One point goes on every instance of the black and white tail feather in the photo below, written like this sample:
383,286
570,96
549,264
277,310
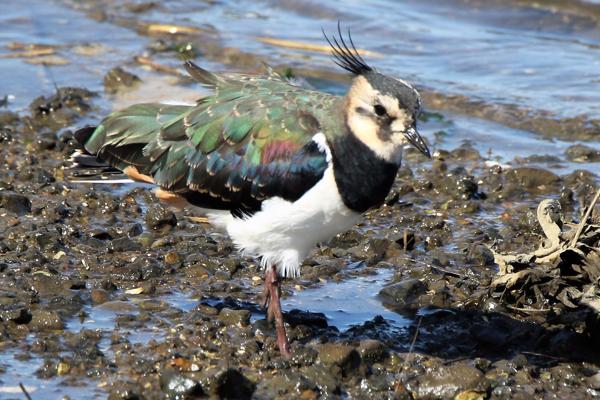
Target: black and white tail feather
87,168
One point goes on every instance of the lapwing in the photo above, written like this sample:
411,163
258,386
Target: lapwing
278,167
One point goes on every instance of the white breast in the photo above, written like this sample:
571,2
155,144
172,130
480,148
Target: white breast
283,233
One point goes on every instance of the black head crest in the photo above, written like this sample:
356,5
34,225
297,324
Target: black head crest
346,56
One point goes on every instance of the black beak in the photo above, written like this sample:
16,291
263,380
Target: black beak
416,140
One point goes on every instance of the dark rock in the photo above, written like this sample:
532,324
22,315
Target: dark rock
533,178
372,350
178,386
290,383
480,255
44,320
582,153
135,230
234,317
325,380
17,313
124,394
46,141
231,384
122,244
6,135
47,240
100,234
297,317
342,355
447,381
404,294
14,202
373,251
62,108
160,218
117,79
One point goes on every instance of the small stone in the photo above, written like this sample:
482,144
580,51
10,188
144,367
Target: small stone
533,178
178,386
135,230
99,296
372,350
448,381
62,368
231,384
172,258
342,355
117,79
14,202
16,313
582,153
234,317
160,218
471,395
594,381
297,317
44,320
404,294
123,244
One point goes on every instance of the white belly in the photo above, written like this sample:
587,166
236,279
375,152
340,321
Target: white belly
283,233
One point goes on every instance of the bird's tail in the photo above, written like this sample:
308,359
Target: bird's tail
85,167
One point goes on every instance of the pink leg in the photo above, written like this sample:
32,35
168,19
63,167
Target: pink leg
271,297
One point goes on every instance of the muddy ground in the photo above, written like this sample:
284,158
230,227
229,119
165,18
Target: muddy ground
105,293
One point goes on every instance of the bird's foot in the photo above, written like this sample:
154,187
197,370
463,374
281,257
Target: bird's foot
271,294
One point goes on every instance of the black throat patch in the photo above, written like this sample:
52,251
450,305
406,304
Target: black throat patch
363,179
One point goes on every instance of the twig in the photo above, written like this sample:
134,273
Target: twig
529,309
446,272
27,396
410,352
584,220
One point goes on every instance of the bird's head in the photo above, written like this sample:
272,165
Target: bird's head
380,110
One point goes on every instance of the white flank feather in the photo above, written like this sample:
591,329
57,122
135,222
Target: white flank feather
283,233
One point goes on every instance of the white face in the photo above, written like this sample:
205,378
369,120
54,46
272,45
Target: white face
377,120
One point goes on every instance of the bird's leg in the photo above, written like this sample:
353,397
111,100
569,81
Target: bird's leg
271,295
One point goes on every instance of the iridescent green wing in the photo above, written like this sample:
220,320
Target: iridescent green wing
249,141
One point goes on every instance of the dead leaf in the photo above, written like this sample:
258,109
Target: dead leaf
171,29
137,290
510,280
29,53
319,48
48,60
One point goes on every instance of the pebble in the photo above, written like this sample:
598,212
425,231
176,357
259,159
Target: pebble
447,381
234,317
99,296
582,153
44,320
404,294
14,202
342,355
179,386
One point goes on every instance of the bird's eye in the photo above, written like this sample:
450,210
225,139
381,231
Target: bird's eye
379,110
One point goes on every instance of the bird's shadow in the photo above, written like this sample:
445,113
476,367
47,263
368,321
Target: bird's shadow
451,334
454,334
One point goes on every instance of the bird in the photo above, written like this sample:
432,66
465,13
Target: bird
278,167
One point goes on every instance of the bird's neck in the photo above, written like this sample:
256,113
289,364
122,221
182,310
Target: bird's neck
363,178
